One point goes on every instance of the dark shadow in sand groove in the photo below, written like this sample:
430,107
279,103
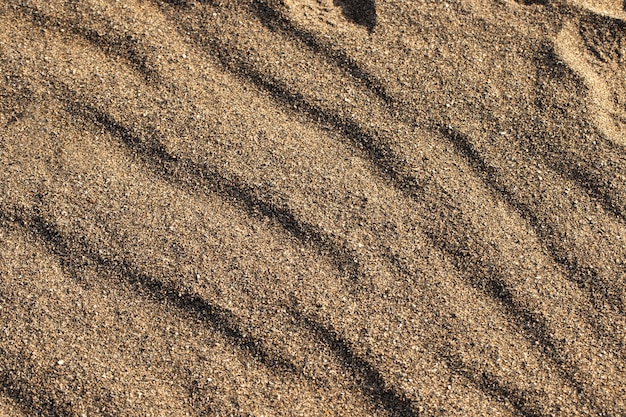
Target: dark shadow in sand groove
30,401
371,381
220,319
574,169
27,396
361,12
594,185
532,2
276,21
597,292
124,47
584,278
489,385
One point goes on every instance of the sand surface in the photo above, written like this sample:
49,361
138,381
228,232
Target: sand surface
312,208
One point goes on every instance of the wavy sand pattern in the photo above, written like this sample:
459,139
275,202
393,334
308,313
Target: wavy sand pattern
317,207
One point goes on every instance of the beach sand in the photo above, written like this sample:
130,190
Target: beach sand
312,208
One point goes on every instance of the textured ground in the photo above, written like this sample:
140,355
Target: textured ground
312,208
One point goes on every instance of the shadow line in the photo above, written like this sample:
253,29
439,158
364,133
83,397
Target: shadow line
274,20
594,185
31,401
124,47
376,151
372,383
489,384
361,12
520,400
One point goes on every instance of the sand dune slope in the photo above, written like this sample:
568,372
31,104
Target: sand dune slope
303,208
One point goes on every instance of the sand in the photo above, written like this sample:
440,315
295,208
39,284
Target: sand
312,208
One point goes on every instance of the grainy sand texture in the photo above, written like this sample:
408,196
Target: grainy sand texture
312,208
